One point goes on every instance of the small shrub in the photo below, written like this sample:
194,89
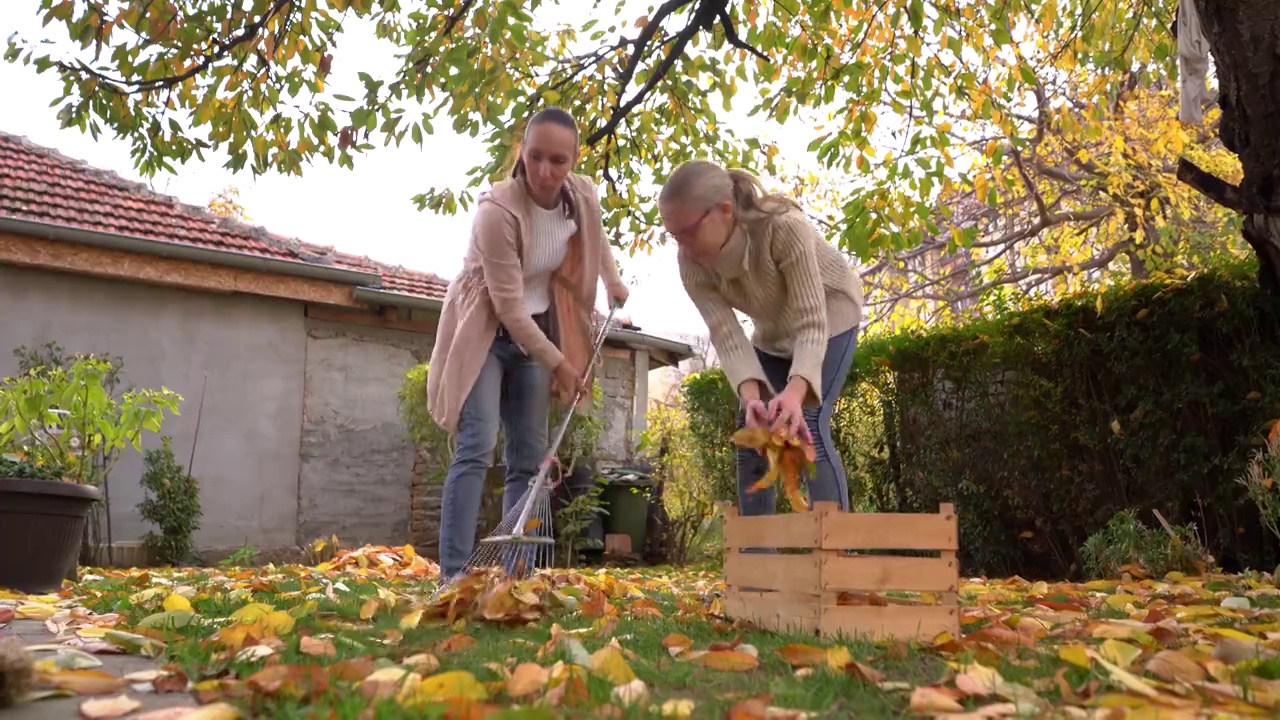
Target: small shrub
171,502
424,432
573,519
1259,481
1126,545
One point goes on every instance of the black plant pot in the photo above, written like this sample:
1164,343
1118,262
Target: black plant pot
41,529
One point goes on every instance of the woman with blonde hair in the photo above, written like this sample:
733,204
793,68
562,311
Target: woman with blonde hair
743,249
516,324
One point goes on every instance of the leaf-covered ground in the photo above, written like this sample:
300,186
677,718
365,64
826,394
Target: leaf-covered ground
361,637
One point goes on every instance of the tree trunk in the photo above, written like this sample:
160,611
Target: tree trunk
1244,39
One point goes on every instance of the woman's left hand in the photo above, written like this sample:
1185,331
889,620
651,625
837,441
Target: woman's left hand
787,411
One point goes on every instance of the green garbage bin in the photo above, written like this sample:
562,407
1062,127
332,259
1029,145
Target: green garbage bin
626,496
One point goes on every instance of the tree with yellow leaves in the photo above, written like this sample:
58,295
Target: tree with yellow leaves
900,91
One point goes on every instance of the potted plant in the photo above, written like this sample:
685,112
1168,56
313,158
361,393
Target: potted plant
53,422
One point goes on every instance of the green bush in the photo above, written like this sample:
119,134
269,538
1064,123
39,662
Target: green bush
1042,424
171,502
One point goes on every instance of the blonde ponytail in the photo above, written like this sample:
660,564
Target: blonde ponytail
703,183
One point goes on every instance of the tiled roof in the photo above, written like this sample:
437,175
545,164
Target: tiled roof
42,185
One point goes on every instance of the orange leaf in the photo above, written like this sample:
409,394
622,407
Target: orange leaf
729,660
675,643
456,642
799,655
933,700
293,681
317,646
84,682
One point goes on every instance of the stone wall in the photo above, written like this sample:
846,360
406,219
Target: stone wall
617,379
357,461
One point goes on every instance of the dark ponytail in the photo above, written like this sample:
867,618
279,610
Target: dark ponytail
556,116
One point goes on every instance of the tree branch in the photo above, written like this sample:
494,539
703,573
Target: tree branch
1214,188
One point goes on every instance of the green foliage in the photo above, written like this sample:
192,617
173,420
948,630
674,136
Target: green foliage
13,465
1126,543
1041,425
711,408
171,502
578,446
575,516
63,417
689,492
425,433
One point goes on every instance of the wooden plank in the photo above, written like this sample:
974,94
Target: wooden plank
167,271
888,572
789,530
793,573
776,611
895,622
389,321
889,531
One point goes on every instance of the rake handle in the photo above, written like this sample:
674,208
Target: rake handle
544,470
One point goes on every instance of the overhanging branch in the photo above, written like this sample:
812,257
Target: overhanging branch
1212,187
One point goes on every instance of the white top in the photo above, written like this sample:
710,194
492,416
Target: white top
544,251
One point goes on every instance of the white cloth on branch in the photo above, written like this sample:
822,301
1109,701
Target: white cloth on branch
1193,65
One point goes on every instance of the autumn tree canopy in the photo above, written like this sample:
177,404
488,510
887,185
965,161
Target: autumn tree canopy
921,101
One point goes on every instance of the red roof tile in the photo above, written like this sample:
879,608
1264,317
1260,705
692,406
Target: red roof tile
42,185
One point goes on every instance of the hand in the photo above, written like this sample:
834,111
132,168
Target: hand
618,295
757,414
787,412
569,380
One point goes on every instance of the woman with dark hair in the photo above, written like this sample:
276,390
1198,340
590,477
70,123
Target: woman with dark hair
743,249
516,324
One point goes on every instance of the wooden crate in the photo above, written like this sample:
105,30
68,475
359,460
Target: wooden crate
809,590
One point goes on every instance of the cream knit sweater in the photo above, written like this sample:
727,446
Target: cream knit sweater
798,290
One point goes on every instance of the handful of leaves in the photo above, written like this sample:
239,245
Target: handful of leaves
788,456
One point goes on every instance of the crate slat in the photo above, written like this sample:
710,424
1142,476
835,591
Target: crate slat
790,530
903,622
886,572
776,611
772,572
889,531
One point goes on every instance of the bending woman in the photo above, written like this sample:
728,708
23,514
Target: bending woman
742,249
516,324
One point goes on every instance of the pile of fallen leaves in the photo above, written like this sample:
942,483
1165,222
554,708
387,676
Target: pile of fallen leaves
390,563
611,642
788,457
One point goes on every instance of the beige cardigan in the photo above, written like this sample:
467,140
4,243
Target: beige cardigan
797,288
490,291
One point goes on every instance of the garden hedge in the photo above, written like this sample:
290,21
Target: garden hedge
1041,424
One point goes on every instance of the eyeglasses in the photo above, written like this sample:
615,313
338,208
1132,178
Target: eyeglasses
687,233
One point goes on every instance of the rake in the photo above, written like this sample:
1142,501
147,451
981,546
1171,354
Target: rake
525,538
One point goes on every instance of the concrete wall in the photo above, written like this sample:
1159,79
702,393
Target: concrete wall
357,462
252,349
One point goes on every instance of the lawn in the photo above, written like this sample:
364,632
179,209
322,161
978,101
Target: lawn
359,637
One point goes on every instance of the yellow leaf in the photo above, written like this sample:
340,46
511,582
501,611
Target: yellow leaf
839,657
278,621
1124,678
411,619
452,685
1119,652
551,96
678,708
175,602
369,609
1074,654
608,663
251,612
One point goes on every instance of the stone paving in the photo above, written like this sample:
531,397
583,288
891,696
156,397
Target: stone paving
34,632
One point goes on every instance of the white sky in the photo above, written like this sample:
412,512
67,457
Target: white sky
368,210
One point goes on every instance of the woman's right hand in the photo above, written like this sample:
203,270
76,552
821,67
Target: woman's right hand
569,379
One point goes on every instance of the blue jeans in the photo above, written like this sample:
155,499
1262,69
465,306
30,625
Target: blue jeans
515,390
829,482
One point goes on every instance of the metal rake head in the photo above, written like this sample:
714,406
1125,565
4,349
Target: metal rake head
519,550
